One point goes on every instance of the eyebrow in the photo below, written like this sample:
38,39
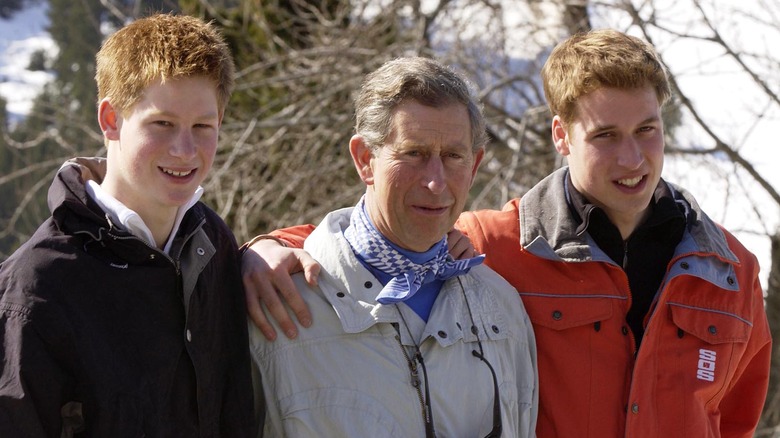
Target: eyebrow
171,114
601,128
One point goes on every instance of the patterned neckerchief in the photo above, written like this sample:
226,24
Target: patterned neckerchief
408,276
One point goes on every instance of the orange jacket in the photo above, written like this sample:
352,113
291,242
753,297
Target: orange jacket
703,366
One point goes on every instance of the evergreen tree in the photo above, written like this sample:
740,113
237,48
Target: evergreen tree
60,125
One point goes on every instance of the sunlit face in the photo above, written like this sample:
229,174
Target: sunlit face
615,150
161,149
418,182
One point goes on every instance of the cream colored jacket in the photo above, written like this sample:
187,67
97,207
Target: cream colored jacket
348,375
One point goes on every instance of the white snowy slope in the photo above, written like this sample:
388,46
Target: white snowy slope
20,37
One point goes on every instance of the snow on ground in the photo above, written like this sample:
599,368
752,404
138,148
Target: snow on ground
19,38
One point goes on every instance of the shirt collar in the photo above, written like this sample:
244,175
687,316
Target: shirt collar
123,217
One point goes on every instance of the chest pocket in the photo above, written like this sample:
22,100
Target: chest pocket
712,326
558,312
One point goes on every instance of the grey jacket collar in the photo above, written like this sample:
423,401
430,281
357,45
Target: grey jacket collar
549,230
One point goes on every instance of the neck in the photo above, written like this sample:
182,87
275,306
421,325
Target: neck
160,227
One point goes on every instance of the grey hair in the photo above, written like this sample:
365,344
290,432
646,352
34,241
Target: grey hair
423,80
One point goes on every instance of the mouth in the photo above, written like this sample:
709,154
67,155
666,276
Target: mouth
177,173
630,182
430,210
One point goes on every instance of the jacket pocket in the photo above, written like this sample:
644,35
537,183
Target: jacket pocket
565,312
693,352
710,325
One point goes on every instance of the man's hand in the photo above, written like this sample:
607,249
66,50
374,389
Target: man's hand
266,268
460,246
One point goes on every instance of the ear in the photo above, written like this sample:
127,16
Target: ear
108,118
361,158
560,136
478,156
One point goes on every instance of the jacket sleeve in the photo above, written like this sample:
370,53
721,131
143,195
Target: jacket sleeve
468,224
32,384
294,236
291,237
742,405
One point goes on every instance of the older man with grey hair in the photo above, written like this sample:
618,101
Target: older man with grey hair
407,341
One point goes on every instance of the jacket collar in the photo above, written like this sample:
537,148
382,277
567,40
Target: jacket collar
351,289
549,224
75,212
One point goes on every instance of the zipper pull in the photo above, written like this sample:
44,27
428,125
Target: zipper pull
625,254
415,374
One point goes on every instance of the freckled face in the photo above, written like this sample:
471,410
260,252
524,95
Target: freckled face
418,182
161,149
614,149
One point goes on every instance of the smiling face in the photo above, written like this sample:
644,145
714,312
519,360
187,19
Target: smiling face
419,180
161,149
614,147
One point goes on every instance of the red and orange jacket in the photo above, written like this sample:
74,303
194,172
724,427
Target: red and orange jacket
703,366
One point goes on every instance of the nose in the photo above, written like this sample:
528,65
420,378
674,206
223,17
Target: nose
630,154
183,145
434,179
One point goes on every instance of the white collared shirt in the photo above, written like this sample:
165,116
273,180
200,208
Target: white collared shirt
131,221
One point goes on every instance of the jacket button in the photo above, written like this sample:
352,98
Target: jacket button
200,251
634,408
189,335
557,315
495,329
442,334
712,329
368,284
684,265
340,294
624,330
730,281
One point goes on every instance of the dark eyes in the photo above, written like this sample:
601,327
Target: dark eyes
641,130
450,155
166,123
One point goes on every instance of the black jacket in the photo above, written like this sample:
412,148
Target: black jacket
105,336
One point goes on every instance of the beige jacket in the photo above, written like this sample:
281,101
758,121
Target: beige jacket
348,375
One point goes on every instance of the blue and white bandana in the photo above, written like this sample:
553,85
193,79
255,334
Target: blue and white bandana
408,276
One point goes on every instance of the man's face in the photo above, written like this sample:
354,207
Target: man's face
419,180
615,150
161,150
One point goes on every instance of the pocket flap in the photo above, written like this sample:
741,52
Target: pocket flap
710,325
565,312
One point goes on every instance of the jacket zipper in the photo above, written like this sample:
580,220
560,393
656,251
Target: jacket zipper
415,378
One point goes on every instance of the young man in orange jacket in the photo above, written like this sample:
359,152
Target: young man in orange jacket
649,317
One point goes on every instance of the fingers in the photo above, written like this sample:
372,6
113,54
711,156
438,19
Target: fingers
459,245
311,269
270,296
257,289
285,291
255,311
266,268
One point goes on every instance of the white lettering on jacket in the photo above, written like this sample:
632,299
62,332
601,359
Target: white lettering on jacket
706,369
